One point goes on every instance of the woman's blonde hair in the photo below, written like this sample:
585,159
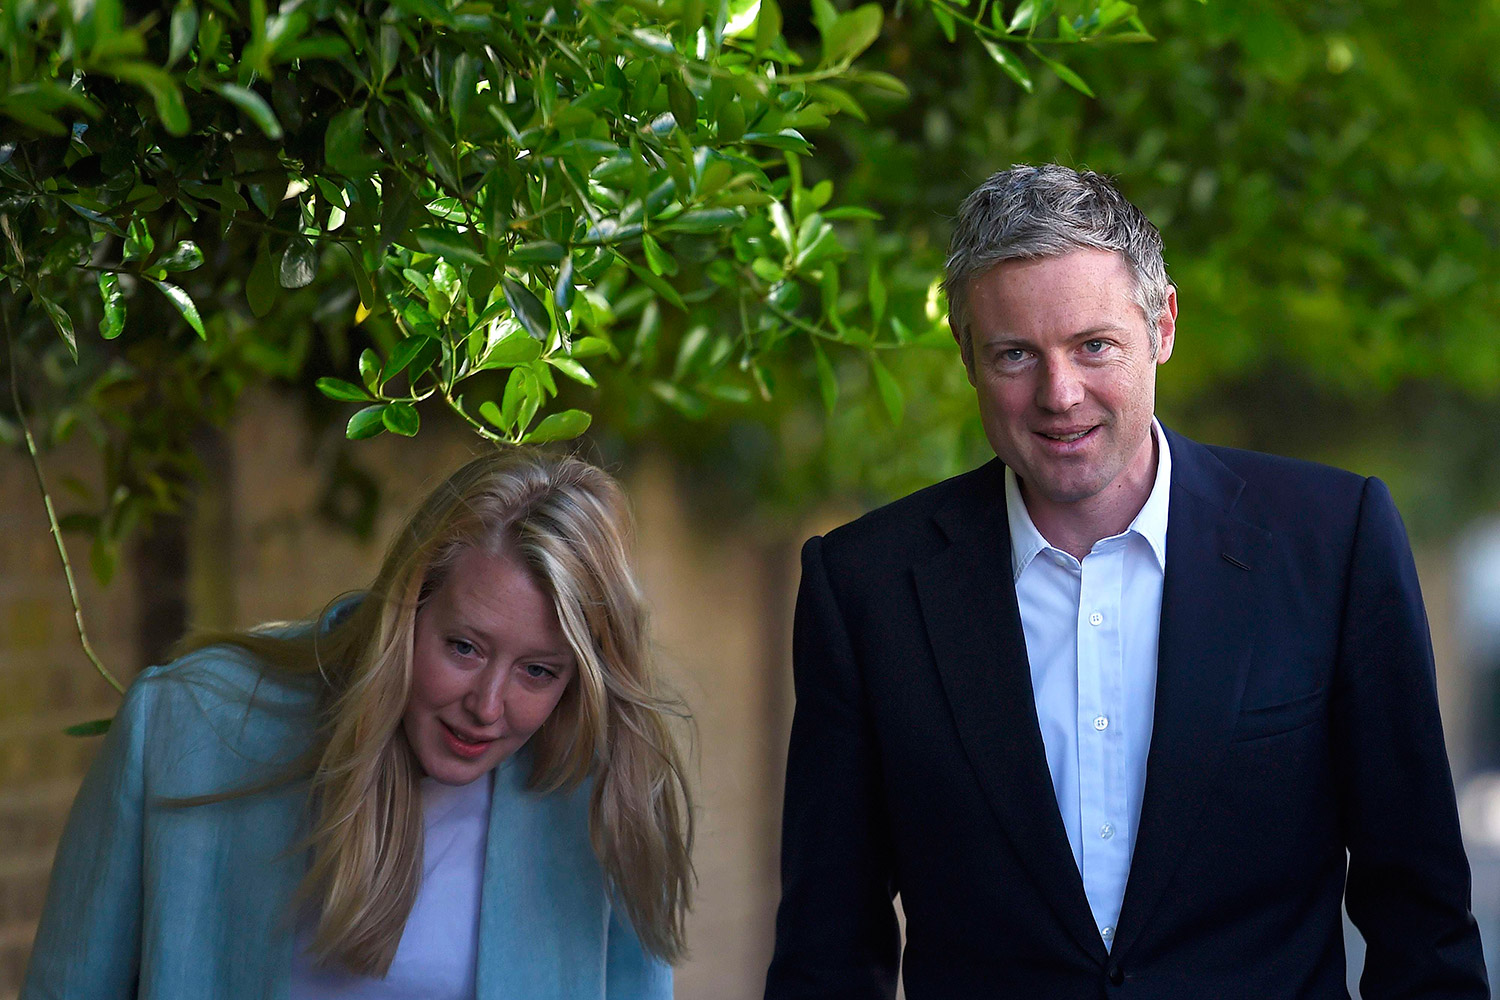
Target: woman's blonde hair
569,522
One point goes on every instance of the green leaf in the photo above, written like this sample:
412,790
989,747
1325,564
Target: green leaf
877,297
540,252
528,308
1026,15
890,390
369,368
366,423
465,84
588,347
96,727
164,91
404,353
828,382
562,426
516,349
447,244
562,292
138,241
1065,74
183,31
112,323
299,264
61,321
343,145
658,259
683,104
261,286
490,412
344,392
767,25
852,32
573,370
184,257
401,418
852,212
657,285
184,305
254,106
1013,67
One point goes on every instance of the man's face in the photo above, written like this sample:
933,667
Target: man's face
1063,369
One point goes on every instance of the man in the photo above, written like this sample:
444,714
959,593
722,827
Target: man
1119,713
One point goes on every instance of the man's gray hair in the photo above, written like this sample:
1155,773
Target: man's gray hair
1027,213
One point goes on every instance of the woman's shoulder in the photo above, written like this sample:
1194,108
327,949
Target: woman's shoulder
222,705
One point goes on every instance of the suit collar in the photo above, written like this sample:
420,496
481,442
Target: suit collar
1150,523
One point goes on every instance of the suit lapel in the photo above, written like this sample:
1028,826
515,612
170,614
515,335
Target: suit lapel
1210,610
968,601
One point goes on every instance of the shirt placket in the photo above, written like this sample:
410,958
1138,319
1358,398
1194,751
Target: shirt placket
1101,779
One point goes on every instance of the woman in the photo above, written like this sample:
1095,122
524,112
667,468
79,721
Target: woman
460,784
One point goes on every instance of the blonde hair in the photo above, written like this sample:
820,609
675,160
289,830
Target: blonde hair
569,523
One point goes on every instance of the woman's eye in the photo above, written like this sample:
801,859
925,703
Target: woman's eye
538,671
463,647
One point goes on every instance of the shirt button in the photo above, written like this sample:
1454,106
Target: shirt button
1096,619
1108,933
1106,831
1101,723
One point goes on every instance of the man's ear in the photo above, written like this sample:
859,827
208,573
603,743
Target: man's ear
965,345
1166,327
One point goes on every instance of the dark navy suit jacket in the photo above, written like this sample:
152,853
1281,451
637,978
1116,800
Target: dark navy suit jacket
1296,761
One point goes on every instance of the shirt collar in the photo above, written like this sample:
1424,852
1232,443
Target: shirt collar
1151,523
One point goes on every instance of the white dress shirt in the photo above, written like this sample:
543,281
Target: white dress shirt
1091,632
439,949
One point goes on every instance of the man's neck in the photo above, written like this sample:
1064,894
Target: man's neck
1075,527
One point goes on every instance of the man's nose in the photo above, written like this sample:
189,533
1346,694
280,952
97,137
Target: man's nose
485,701
1060,387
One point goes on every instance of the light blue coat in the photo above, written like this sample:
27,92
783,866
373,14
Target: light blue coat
170,903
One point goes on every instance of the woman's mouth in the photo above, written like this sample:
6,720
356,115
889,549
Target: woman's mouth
463,745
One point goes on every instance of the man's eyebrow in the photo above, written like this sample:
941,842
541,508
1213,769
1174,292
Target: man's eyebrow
1004,338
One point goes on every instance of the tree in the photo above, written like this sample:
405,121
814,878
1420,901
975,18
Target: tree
501,199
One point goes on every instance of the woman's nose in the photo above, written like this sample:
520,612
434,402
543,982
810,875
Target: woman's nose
485,701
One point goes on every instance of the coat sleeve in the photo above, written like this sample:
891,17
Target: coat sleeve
630,972
836,932
1408,885
88,943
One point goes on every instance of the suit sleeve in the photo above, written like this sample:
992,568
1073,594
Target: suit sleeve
631,973
1408,886
836,933
88,943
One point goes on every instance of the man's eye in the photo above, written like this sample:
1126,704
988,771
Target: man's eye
1094,346
1013,356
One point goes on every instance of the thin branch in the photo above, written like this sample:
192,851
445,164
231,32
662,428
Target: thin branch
41,481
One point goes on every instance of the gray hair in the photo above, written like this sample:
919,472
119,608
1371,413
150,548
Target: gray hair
1027,213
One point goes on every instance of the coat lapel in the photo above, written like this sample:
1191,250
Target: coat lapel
968,600
543,913
1210,611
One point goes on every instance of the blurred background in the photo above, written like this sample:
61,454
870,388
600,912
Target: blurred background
1325,175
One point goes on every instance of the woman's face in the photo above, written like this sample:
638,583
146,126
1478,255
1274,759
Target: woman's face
489,664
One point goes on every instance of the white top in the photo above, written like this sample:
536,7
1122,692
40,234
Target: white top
440,946
1091,632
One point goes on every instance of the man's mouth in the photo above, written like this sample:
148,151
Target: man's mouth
1066,437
